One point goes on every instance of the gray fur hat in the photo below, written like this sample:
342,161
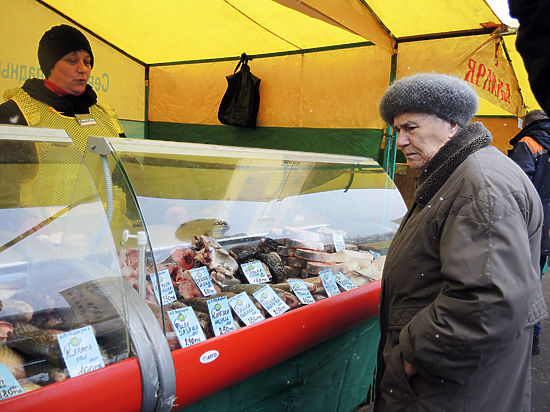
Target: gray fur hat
445,96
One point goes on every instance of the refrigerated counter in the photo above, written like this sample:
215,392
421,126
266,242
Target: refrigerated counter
222,266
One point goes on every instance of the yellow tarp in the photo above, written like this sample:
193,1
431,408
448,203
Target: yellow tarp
116,79
307,90
337,89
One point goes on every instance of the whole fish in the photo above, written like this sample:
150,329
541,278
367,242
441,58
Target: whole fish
41,343
13,360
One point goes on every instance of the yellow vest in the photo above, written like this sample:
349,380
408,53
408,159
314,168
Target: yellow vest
39,114
56,180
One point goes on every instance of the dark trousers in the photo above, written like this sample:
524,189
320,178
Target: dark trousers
543,259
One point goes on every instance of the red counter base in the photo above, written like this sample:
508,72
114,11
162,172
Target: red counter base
231,358
213,365
115,388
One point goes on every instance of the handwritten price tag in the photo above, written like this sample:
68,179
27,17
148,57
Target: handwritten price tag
166,288
8,384
271,301
203,281
338,240
187,326
220,315
301,291
80,351
329,282
254,272
245,309
344,281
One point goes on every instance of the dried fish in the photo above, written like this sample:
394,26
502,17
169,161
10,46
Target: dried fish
36,342
243,253
13,360
275,264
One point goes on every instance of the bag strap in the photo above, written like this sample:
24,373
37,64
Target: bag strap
244,61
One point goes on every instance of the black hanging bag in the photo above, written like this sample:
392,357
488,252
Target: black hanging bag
241,101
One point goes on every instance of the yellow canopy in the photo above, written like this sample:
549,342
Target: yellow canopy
324,63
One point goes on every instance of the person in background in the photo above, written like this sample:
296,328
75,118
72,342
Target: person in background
460,289
531,152
64,99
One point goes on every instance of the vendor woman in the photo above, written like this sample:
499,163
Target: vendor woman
64,99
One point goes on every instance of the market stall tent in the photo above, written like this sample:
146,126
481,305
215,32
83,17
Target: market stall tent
323,63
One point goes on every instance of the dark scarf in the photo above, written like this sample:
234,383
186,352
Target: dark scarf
450,156
69,105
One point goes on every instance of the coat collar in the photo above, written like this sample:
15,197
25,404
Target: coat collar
469,140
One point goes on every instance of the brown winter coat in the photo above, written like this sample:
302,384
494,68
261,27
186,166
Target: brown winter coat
461,288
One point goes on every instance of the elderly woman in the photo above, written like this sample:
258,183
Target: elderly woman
64,99
460,289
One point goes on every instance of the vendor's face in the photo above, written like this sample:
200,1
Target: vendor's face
420,136
72,71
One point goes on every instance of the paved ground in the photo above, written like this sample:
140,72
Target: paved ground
541,364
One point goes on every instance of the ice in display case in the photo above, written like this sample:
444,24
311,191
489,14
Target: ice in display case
239,250
70,327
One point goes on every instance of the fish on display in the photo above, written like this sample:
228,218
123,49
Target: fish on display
214,228
41,343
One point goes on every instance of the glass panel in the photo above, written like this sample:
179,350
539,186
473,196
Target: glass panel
62,312
253,218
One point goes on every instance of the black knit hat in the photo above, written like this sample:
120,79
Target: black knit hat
448,97
57,42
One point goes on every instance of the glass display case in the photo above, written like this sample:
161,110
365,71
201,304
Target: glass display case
238,250
68,320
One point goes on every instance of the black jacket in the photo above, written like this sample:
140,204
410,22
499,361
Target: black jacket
534,159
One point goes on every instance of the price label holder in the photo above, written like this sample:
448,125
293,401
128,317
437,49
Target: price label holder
301,291
167,290
329,282
187,326
245,309
203,281
338,240
9,386
254,272
344,281
80,351
270,301
220,315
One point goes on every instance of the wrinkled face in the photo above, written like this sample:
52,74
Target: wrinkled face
72,71
420,136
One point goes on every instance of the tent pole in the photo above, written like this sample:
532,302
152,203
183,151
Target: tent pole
146,105
390,148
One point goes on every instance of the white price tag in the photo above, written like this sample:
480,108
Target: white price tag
329,282
220,315
167,290
9,386
203,281
245,309
344,281
301,291
80,351
338,239
254,272
186,326
271,301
